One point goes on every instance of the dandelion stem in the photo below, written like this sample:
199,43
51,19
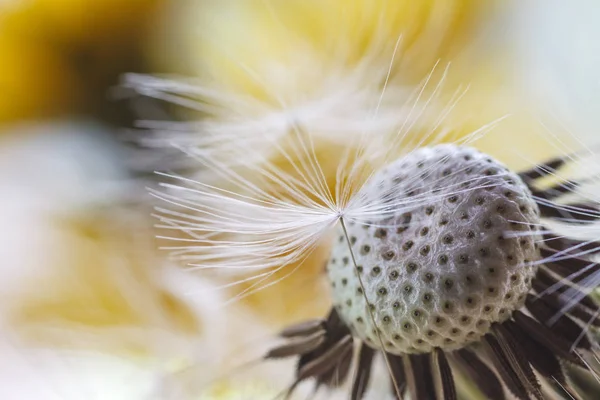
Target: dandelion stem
377,332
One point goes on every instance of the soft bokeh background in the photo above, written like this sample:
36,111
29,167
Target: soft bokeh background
89,304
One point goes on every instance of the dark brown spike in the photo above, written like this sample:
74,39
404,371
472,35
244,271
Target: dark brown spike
338,374
445,375
516,357
324,347
305,328
419,377
557,190
569,244
562,325
330,359
480,374
585,212
544,335
397,367
297,346
559,300
335,329
334,321
504,366
574,213
542,170
326,361
584,315
363,372
542,288
545,280
573,268
543,360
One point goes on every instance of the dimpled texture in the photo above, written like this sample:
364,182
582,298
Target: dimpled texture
451,253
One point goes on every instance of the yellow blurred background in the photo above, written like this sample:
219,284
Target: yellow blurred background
59,57
82,279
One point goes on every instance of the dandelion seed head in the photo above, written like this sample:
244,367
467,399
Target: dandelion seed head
446,262
437,266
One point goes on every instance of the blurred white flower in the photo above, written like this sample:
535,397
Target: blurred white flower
87,306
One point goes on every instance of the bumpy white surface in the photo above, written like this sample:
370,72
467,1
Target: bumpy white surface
441,263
